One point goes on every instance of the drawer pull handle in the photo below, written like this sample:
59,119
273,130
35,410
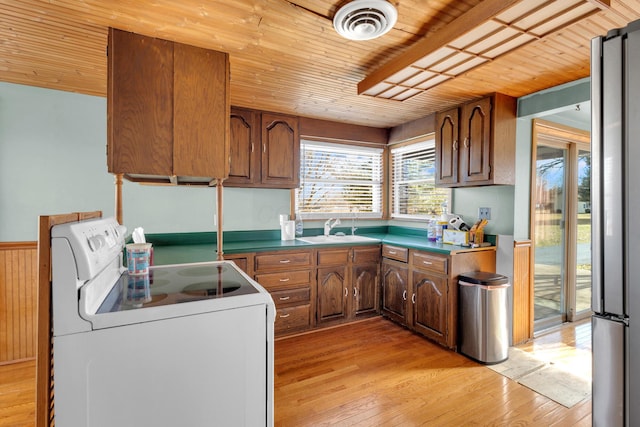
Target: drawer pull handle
427,263
404,295
413,298
285,279
285,261
284,316
355,292
284,298
392,252
346,292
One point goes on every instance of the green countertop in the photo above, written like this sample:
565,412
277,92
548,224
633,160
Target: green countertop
200,247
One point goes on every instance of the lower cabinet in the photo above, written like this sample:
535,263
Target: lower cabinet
429,297
395,287
287,275
420,289
326,286
317,287
347,283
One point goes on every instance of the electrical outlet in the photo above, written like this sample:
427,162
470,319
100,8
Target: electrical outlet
484,213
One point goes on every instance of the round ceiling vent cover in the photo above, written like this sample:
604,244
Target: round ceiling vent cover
365,19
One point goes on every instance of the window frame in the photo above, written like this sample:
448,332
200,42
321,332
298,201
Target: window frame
380,214
391,182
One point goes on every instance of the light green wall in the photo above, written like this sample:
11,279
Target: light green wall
53,160
499,198
547,104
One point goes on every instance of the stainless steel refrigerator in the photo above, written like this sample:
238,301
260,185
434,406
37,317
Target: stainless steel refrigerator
615,201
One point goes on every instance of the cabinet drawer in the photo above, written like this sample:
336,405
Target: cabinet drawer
429,262
292,318
333,257
284,260
291,296
395,252
366,255
284,278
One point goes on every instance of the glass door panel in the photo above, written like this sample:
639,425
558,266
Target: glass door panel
549,237
583,264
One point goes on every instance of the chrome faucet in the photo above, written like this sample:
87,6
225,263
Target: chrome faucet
328,226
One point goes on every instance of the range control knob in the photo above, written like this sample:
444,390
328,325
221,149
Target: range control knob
96,242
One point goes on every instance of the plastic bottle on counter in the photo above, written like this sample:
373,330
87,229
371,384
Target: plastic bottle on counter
299,225
441,225
431,229
445,211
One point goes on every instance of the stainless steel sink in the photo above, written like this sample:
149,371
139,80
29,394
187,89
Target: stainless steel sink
332,238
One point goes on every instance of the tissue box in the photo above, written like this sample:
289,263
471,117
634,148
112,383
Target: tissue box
455,237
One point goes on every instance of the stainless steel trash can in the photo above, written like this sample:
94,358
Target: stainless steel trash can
483,332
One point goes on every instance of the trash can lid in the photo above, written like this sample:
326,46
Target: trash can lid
483,278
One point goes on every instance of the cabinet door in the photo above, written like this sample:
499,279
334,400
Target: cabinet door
280,151
332,294
244,147
447,147
475,132
365,289
139,104
394,290
429,300
201,112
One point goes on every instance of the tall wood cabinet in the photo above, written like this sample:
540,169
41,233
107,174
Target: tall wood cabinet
265,150
167,110
475,143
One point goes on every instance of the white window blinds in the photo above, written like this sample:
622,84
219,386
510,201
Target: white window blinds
413,190
338,180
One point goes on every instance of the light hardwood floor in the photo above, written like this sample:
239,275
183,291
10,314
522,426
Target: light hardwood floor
376,373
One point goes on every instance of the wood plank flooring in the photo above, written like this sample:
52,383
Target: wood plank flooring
374,373
18,394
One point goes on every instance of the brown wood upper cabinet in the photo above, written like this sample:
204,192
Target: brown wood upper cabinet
475,143
265,150
167,110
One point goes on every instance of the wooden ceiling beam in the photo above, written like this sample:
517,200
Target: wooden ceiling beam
432,42
453,50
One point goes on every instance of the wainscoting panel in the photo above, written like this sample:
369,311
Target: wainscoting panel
18,296
522,292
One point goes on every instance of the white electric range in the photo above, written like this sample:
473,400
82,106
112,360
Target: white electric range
187,344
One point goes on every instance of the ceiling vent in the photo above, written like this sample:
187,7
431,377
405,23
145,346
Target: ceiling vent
365,19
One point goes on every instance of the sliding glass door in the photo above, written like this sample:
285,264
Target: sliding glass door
560,224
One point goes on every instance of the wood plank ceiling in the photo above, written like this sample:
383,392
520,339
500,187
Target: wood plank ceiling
285,55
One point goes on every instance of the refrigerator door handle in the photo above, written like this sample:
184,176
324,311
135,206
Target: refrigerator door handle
596,191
